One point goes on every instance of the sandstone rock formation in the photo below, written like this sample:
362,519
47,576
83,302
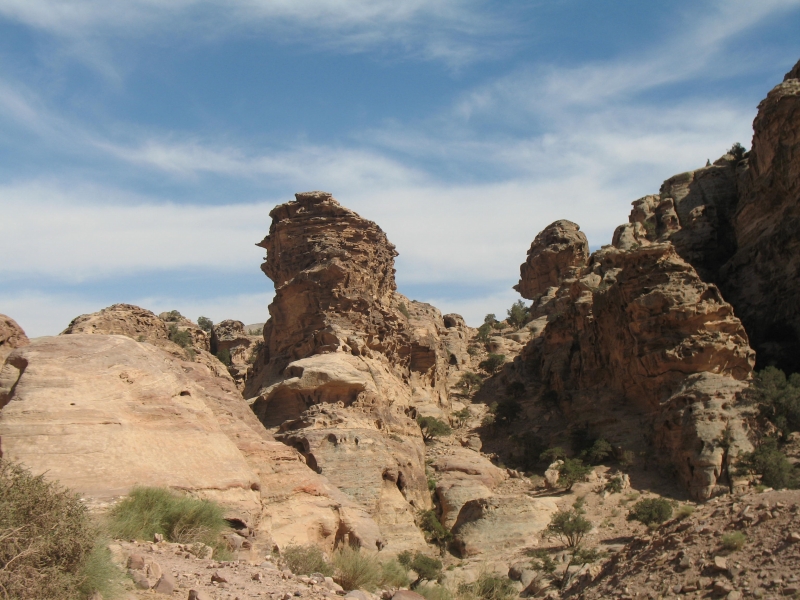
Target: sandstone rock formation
736,222
11,336
231,336
635,323
144,326
348,363
128,413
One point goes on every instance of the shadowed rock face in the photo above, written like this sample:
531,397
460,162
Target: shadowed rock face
737,221
639,324
347,362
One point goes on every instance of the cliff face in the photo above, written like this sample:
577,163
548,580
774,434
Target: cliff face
11,336
348,363
638,326
737,222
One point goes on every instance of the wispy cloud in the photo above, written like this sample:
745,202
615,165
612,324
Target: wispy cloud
454,31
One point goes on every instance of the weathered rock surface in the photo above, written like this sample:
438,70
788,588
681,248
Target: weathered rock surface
636,323
11,336
127,413
494,525
144,326
737,221
232,336
347,362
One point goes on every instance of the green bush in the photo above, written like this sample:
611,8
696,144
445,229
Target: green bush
489,586
434,531
737,151
432,428
553,454
426,568
461,416
684,512
224,356
205,324
614,485
493,363
490,319
173,315
183,519
734,540
771,464
469,382
356,569
432,591
49,548
306,559
599,451
571,471
542,561
569,527
182,337
651,511
518,314
484,331
778,398
393,574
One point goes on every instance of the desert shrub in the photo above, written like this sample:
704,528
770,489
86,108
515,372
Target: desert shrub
432,428
403,309
571,471
778,398
507,411
431,484
737,151
627,459
493,363
182,337
48,545
484,332
542,561
771,464
469,382
473,350
393,574
488,420
224,356
569,527
173,315
356,569
183,519
734,540
578,558
205,324
489,586
306,559
518,314
432,591
553,454
515,389
462,415
684,512
100,574
433,529
499,325
405,558
651,511
426,568
614,485
599,451
490,319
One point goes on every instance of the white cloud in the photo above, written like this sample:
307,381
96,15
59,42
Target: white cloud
445,30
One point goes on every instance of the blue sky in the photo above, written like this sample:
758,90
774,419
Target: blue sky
143,143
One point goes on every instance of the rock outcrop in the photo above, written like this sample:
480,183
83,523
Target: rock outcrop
242,348
635,323
348,363
11,336
737,221
128,413
162,331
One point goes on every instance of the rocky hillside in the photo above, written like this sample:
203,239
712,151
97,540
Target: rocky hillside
736,223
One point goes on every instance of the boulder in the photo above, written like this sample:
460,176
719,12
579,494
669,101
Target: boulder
11,336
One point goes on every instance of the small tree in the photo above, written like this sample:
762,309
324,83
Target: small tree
205,324
569,527
553,454
426,568
571,471
580,557
737,151
599,451
432,427
434,531
224,356
490,319
493,363
462,415
484,331
518,314
651,511
469,381
771,464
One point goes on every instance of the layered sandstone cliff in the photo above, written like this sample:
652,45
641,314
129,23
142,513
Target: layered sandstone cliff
11,336
737,223
348,363
635,324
